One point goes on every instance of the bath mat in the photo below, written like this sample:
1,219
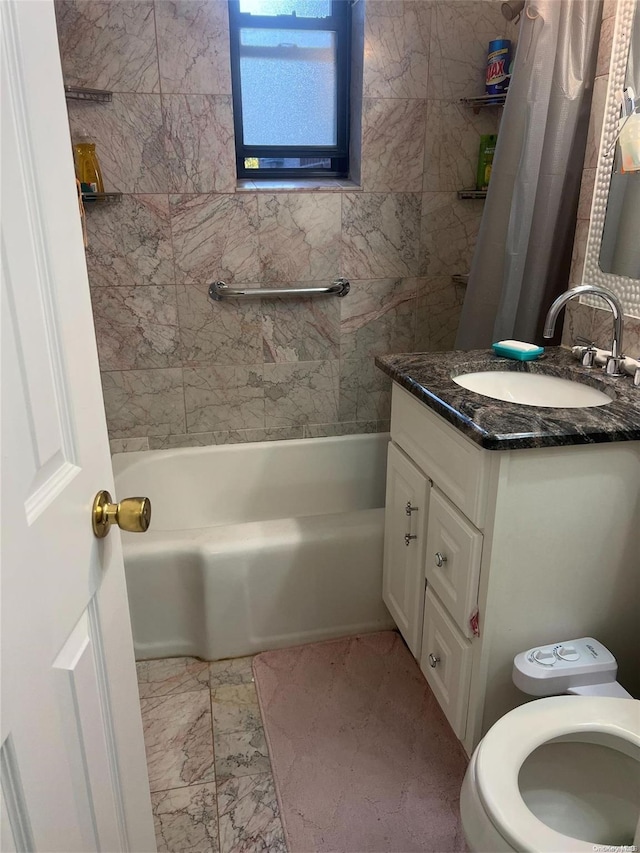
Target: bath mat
362,756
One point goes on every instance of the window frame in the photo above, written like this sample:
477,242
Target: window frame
339,22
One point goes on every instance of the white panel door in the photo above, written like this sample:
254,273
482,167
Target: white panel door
406,511
73,772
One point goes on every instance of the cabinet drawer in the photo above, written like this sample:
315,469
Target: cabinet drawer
446,663
454,550
457,466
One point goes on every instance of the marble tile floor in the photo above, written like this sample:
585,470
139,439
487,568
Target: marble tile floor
209,771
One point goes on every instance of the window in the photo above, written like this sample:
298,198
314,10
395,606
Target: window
290,77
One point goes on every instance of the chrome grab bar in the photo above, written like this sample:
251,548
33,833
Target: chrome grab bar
219,290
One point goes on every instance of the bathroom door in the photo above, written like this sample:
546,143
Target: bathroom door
73,773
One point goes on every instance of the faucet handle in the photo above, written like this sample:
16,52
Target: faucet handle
588,357
613,367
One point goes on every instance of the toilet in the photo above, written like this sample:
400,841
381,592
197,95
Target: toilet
562,773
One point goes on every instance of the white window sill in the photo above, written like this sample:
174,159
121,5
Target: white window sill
297,185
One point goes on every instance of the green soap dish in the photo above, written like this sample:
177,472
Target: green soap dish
518,350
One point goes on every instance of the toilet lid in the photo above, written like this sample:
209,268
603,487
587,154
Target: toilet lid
513,738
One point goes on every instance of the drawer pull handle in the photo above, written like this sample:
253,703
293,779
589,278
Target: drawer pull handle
408,537
440,559
433,661
411,509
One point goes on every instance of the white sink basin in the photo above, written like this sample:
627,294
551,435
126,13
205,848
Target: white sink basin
532,389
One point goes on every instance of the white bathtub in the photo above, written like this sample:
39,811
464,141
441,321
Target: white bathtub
255,546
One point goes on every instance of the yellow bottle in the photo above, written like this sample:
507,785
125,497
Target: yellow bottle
87,166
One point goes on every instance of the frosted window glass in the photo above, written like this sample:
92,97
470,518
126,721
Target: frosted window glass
288,85
301,8
287,163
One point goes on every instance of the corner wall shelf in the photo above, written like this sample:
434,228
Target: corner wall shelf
461,279
462,194
477,102
78,93
101,198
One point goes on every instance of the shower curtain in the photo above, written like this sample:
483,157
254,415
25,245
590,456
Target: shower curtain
523,254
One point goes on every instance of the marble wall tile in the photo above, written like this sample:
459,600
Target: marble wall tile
235,708
301,393
438,309
348,391
596,118
171,675
452,143
605,45
299,236
631,337
240,754
129,141
225,332
128,445
249,815
393,132
144,402
223,398
230,436
353,428
586,193
130,242
170,442
381,235
178,739
193,46
136,327
199,142
449,232
579,251
396,49
459,36
374,392
235,671
578,321
602,332
301,329
186,819
215,237
378,318
108,45
365,391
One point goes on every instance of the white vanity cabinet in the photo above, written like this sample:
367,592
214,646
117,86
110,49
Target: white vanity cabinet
488,553
406,504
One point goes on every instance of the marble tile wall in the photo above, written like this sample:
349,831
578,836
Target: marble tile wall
181,371
583,320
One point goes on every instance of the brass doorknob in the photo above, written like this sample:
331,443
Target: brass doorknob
132,514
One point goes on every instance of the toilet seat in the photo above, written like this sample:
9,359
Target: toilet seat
511,741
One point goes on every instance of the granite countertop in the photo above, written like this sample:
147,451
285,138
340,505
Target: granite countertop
498,425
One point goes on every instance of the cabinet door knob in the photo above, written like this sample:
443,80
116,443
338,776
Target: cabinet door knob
440,559
411,509
408,537
433,661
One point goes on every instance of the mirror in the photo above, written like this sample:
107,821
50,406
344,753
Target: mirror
620,248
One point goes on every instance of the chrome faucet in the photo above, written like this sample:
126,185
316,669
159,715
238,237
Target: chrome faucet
613,366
